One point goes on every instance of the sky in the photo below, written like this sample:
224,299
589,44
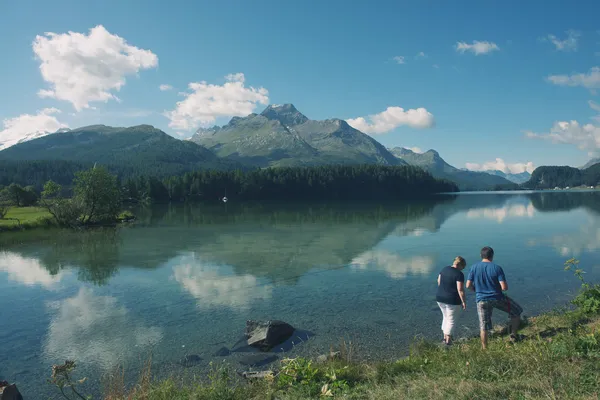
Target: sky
506,85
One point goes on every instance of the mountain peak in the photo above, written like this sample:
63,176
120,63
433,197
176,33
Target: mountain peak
287,114
432,152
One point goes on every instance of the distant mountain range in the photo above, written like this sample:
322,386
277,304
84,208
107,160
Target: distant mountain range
593,161
138,149
436,166
282,136
279,136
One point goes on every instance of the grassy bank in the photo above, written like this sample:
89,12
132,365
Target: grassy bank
557,357
25,217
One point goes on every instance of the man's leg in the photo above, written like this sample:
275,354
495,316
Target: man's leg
514,311
484,311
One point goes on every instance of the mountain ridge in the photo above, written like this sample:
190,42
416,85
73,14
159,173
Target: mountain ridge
282,136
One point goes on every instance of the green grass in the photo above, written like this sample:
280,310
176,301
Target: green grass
558,358
25,217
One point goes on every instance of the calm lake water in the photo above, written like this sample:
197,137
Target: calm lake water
184,279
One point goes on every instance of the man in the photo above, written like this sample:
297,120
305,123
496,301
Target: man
488,281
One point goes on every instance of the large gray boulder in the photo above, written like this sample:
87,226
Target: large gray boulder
9,392
266,335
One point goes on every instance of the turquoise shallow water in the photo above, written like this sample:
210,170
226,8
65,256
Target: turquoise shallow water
183,280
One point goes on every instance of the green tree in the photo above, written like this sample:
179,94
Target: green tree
66,212
98,193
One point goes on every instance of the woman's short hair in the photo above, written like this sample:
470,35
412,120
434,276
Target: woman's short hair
460,261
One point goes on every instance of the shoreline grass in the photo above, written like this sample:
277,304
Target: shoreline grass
18,218
558,358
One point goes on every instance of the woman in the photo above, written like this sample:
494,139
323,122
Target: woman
451,295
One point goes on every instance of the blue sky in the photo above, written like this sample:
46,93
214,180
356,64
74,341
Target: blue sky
329,58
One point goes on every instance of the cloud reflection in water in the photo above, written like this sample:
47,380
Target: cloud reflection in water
219,286
393,264
28,270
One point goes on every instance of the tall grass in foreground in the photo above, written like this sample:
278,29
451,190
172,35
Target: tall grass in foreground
559,358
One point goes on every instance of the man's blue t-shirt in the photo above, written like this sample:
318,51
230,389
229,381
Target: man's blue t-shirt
486,277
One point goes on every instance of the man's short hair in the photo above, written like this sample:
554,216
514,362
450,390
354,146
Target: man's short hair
487,253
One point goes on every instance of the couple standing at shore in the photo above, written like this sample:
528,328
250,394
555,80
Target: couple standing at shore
488,281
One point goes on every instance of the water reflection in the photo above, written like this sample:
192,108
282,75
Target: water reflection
28,270
218,286
96,330
586,239
500,214
394,265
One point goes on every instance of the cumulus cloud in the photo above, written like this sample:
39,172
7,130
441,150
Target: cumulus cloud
594,106
585,137
96,330
589,80
392,118
500,165
477,47
400,60
26,127
82,68
421,55
206,102
165,87
28,270
392,264
567,44
415,149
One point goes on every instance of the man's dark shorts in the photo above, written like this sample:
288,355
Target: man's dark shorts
485,307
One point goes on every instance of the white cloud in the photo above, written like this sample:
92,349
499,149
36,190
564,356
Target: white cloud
96,330
400,60
82,68
477,47
500,165
164,87
392,118
415,149
568,44
392,264
207,102
589,80
436,66
28,271
421,55
585,137
594,106
26,127
214,286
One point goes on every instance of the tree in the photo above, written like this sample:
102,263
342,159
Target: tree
98,193
66,212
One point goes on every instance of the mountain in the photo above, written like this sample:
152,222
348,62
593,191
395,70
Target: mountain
136,150
591,162
516,178
563,176
434,164
5,143
283,136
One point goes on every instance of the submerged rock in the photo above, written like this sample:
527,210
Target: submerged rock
222,352
190,360
9,392
257,360
266,335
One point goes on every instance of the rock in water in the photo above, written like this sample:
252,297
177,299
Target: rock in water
190,360
9,392
266,335
222,352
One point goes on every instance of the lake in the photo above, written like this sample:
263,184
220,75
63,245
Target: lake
183,280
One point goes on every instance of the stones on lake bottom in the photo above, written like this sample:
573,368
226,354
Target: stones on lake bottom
257,360
190,360
222,352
